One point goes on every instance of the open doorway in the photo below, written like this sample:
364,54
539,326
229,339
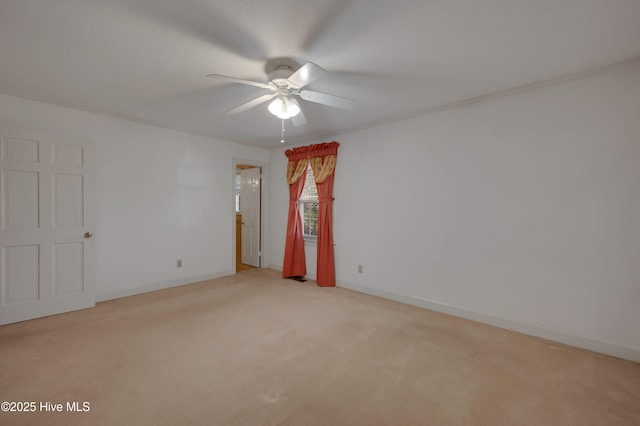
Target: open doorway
248,217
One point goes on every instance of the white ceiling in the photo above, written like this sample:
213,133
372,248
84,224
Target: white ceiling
146,60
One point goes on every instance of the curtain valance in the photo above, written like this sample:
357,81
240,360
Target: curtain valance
323,157
311,151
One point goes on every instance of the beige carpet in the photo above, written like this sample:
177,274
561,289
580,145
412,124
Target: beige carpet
254,349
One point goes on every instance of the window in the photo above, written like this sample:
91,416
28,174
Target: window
238,186
309,207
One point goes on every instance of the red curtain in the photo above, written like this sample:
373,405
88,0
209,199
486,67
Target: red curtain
294,264
323,157
323,162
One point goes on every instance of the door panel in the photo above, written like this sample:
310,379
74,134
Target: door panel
250,211
21,278
67,155
67,268
67,200
17,149
20,194
46,208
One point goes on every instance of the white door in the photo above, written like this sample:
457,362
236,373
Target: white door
250,211
46,253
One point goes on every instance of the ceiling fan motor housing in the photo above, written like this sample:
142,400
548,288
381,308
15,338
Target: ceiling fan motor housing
280,76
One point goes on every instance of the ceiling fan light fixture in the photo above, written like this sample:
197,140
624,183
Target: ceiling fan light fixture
293,107
284,107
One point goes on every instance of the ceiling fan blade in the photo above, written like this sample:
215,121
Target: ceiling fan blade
306,74
251,103
331,100
241,81
299,120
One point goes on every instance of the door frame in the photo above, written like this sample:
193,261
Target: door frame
263,208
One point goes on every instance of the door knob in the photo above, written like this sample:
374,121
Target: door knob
88,235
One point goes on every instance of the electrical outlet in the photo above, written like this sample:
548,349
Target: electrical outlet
179,263
359,269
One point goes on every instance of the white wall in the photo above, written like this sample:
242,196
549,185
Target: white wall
161,195
522,211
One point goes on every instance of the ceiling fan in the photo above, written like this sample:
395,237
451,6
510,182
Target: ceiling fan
286,85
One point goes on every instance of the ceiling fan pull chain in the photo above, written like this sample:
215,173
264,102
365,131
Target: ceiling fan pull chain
282,139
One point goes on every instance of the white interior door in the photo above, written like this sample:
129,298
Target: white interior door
250,211
46,254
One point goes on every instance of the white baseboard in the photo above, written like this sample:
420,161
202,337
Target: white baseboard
162,285
606,348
